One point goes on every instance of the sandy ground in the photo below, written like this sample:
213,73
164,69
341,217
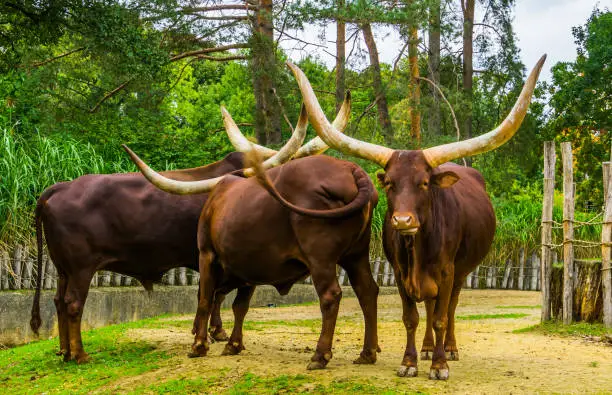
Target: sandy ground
493,359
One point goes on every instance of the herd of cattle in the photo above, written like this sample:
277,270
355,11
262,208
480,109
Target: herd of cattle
302,214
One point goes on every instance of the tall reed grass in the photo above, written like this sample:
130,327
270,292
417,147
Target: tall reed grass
28,166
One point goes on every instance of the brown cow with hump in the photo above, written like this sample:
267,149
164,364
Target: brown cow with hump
439,225
122,223
248,237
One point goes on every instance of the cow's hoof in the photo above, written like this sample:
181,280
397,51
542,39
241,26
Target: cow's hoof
220,335
232,348
438,374
407,371
316,365
426,355
452,355
61,352
82,358
366,358
198,349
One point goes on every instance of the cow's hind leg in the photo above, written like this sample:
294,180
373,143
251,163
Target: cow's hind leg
240,308
62,316
329,292
360,276
450,343
75,297
428,340
207,291
216,330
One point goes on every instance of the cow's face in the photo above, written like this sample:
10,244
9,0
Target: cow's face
411,184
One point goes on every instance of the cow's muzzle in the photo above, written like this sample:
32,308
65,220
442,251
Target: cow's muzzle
407,224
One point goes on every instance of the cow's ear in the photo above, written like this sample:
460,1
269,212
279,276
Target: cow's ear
445,179
381,178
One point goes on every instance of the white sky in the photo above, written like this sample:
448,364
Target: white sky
541,26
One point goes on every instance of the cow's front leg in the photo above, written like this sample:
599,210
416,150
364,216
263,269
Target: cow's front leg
428,341
410,316
205,303
439,366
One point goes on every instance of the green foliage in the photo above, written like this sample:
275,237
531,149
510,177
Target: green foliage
581,99
28,166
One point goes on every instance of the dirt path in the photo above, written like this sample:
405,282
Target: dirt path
279,341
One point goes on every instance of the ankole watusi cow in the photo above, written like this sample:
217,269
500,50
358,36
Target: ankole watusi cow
248,237
439,224
122,223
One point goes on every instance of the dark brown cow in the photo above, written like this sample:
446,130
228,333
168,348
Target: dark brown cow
246,238
122,223
439,225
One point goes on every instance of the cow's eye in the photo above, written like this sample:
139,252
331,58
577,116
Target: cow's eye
425,184
388,184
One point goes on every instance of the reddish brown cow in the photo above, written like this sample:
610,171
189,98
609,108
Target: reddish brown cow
122,223
439,224
246,238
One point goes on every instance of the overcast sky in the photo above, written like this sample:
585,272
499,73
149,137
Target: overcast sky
541,26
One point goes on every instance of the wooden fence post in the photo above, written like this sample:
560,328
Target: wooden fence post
547,218
535,269
606,176
376,270
568,232
521,272
386,273
3,271
507,271
475,278
17,267
468,281
606,247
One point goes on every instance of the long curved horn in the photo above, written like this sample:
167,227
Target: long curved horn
489,141
203,186
289,149
317,146
169,185
330,135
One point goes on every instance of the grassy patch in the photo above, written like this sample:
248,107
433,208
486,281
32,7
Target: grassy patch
535,306
576,329
250,383
474,317
34,368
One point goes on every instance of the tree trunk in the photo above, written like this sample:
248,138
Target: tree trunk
340,57
381,98
415,96
468,67
433,121
267,110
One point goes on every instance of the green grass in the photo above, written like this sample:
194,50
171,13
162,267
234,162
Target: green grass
34,368
250,383
575,329
536,306
475,317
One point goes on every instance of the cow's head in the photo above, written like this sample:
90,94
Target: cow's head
409,182
411,177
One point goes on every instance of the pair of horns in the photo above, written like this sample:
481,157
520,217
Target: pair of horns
435,156
292,149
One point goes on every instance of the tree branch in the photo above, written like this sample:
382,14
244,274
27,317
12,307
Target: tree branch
447,102
490,27
208,50
44,62
222,58
238,7
109,95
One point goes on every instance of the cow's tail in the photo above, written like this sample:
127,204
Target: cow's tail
365,190
35,321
